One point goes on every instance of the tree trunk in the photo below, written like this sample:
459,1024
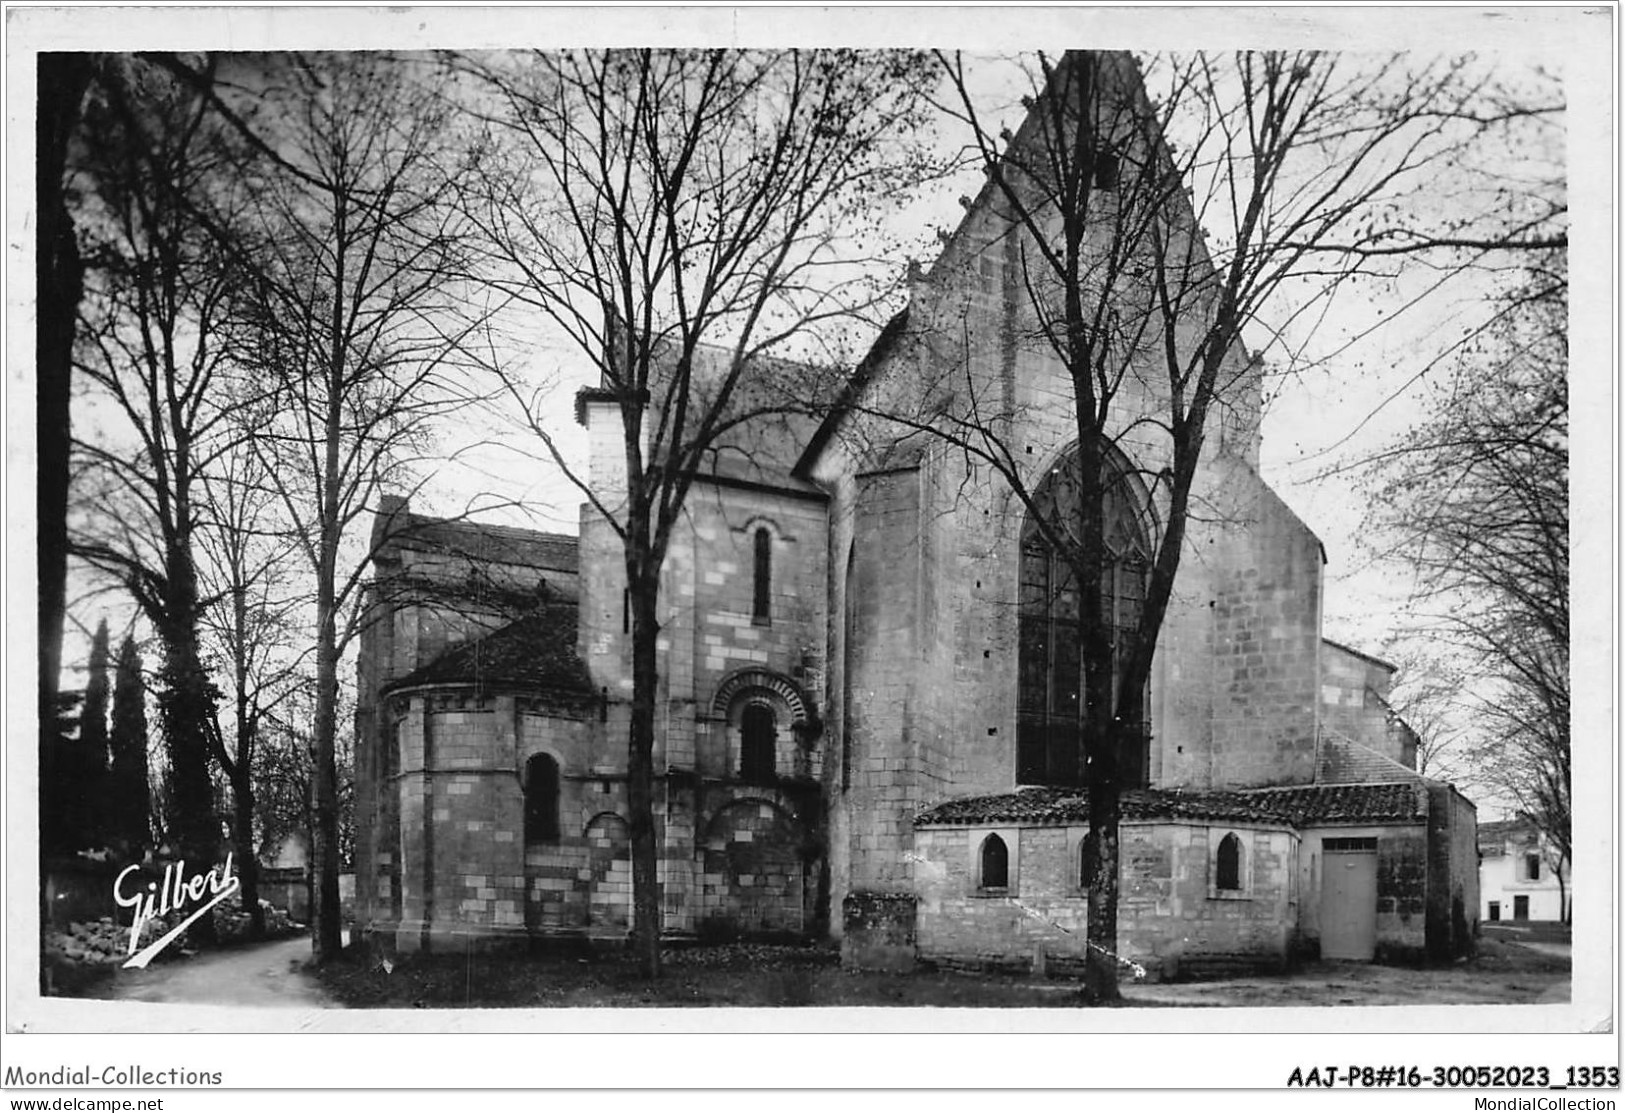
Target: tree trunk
187,713
58,275
1105,810
328,939
248,867
646,914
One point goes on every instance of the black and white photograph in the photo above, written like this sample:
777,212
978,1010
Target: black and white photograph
865,526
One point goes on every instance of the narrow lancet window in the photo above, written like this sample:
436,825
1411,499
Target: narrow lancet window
1228,866
761,614
995,863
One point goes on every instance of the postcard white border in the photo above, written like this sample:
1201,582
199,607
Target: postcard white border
917,1048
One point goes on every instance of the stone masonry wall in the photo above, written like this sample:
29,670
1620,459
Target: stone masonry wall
836,741
972,340
1352,688
1172,914
462,867
572,883
709,635
880,799
753,878
1452,912
712,632
1042,910
464,870
1169,914
1266,585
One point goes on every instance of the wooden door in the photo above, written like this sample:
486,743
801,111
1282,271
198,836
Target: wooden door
1348,905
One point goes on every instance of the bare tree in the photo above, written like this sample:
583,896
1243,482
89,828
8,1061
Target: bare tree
681,217
62,82
1432,697
156,206
356,318
252,630
1133,268
1474,501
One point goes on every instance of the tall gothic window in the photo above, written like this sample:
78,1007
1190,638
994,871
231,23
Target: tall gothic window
1049,703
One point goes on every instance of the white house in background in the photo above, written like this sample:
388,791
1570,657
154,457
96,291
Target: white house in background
1521,876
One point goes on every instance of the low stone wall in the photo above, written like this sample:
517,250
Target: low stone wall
1041,913
1171,916
287,887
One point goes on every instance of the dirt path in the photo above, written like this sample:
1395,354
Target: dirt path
1502,974
266,975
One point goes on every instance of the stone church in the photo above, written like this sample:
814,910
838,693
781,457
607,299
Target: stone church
866,727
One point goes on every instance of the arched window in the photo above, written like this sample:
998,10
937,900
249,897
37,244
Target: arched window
995,863
1088,855
761,614
1049,701
1227,866
541,799
757,730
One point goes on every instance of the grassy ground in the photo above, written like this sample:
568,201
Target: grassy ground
735,976
752,976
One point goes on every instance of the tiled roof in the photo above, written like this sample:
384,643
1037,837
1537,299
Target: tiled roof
1312,805
1343,760
484,543
536,653
1298,806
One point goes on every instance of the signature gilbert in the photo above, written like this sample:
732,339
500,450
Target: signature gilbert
171,895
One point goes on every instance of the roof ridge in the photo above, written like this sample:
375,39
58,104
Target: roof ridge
414,520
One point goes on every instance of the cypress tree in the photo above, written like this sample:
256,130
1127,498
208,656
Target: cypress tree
128,815
91,794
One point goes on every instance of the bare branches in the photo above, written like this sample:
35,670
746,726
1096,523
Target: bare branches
359,318
1474,501
1139,221
686,218
161,216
